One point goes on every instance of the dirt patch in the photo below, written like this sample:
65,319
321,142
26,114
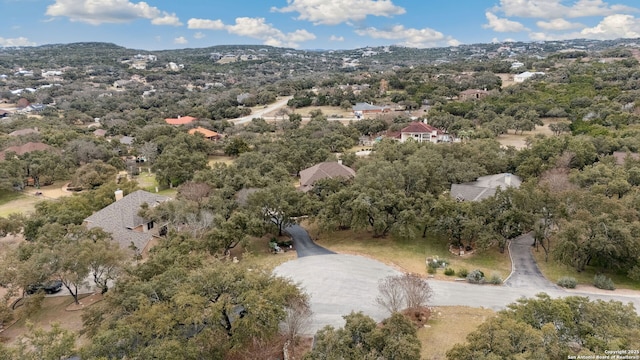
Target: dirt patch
53,311
519,141
85,302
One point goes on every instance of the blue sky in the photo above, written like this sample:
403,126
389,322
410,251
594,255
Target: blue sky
312,24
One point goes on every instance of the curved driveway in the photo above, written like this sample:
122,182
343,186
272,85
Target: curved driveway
303,244
338,284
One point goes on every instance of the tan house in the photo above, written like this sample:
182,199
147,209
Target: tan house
208,134
122,221
324,170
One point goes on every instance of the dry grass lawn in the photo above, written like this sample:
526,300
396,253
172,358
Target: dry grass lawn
553,271
24,202
53,310
449,325
410,255
220,159
519,141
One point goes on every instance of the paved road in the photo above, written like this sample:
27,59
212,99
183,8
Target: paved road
260,113
303,244
525,272
339,284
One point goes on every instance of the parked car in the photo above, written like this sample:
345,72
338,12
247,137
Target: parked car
49,287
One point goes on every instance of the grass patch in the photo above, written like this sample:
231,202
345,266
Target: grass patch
9,195
220,159
553,271
449,325
410,255
147,181
258,253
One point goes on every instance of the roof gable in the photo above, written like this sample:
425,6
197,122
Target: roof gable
181,120
329,169
25,148
419,127
121,217
206,132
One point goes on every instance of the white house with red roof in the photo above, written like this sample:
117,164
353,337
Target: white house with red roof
421,132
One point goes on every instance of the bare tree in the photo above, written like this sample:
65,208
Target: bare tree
417,292
391,294
403,292
298,318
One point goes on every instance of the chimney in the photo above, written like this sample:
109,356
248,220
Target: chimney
119,194
507,179
340,161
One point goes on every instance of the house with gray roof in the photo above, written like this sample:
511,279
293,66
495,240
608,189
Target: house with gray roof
484,187
324,170
363,109
122,221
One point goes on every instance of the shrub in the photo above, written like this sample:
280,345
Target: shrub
462,273
567,282
495,279
602,282
433,264
449,271
432,270
476,277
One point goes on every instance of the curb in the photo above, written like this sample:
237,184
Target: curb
512,264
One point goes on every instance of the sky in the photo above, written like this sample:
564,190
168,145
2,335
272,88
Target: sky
312,24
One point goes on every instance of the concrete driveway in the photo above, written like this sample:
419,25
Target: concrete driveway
338,284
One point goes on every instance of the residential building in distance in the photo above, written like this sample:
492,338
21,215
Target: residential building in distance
361,110
484,187
422,132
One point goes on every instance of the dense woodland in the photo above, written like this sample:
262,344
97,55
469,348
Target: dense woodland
187,300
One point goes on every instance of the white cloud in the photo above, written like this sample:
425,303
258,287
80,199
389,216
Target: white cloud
336,38
167,19
256,28
19,41
410,37
558,25
333,12
611,27
198,35
502,25
180,40
205,24
110,11
553,9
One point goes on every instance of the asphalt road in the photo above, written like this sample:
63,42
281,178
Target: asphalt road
338,284
303,244
525,272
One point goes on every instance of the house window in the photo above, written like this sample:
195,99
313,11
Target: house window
150,225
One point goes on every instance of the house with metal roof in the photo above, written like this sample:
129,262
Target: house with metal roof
362,109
